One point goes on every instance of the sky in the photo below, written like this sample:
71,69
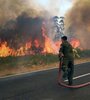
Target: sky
62,6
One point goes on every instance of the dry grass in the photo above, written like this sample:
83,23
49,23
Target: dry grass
23,69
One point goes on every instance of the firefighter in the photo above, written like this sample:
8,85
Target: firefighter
66,52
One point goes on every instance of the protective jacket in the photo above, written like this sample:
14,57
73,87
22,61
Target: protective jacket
67,50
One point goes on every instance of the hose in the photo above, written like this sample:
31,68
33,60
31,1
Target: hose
61,83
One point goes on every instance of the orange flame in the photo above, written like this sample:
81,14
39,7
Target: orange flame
36,43
75,43
49,46
4,50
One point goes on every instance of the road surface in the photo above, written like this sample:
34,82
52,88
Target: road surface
43,85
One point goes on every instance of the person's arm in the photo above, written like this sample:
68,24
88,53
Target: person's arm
75,53
61,51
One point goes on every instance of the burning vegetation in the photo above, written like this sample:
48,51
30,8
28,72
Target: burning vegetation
23,30
27,31
27,36
24,36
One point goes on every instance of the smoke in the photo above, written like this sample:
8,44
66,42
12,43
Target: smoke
22,30
21,22
78,22
10,9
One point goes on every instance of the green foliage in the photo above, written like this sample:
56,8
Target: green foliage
83,53
14,62
36,60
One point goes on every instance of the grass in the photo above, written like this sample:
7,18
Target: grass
84,53
13,65
32,60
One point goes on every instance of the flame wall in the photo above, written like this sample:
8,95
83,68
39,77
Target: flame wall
25,27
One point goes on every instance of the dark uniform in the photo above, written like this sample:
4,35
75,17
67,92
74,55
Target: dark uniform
68,61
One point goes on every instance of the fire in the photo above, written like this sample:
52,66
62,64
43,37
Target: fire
49,47
75,43
34,47
48,43
36,43
4,50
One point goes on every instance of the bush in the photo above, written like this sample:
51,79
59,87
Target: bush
12,62
84,53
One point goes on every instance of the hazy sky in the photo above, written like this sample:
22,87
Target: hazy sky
62,6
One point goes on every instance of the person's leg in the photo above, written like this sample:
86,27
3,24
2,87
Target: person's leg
65,68
70,72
